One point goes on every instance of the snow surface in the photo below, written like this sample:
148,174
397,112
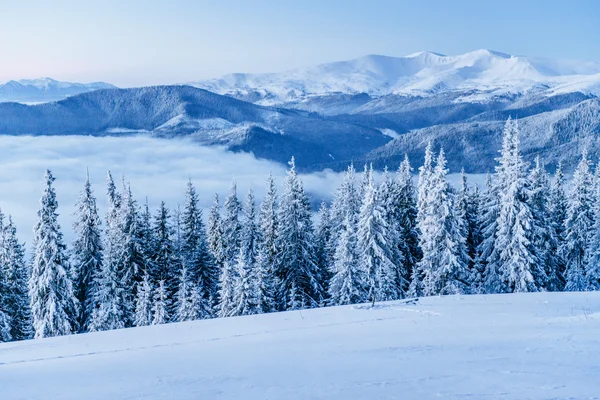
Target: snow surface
419,74
524,346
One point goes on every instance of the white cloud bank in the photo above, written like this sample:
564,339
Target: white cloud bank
156,168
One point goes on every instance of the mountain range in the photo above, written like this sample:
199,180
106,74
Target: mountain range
45,89
371,109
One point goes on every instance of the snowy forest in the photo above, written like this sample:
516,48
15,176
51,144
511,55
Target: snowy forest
524,231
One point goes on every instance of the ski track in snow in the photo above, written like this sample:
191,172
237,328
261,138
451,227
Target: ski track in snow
527,346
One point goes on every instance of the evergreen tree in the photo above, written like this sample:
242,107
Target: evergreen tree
215,234
296,269
244,299
348,282
466,213
557,205
592,262
161,305
87,252
487,261
143,303
444,262
231,225
519,263
545,241
406,215
227,282
578,226
163,260
267,248
374,248
187,300
423,189
323,238
16,276
195,250
132,262
53,303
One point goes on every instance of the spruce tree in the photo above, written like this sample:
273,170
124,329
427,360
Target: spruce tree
195,250
592,262
388,198
578,227
545,241
323,239
519,263
296,268
445,262
267,248
558,214
132,261
423,189
215,234
16,274
87,252
348,282
53,303
231,225
143,303
406,215
374,247
187,301
160,313
163,259
487,261
244,299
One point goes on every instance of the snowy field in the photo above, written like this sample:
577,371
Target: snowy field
526,346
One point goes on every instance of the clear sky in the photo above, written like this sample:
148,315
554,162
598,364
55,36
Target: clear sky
131,42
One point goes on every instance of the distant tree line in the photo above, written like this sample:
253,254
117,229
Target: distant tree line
376,241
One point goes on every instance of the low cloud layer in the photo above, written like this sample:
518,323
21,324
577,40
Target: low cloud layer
156,168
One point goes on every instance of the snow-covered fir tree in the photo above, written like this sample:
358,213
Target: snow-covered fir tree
143,302
267,250
160,312
519,263
374,247
445,263
164,260
387,197
592,262
227,281
348,283
187,300
323,237
195,251
244,297
215,234
487,262
86,252
53,303
406,215
132,262
232,227
16,277
423,188
296,262
578,226
545,241
557,206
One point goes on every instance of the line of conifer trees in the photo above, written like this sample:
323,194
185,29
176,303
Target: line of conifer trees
379,241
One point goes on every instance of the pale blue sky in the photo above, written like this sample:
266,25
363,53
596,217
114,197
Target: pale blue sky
133,42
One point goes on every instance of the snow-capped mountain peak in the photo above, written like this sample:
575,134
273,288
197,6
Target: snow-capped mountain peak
419,74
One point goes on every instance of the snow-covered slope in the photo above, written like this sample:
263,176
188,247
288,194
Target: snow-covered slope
45,89
488,73
523,346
